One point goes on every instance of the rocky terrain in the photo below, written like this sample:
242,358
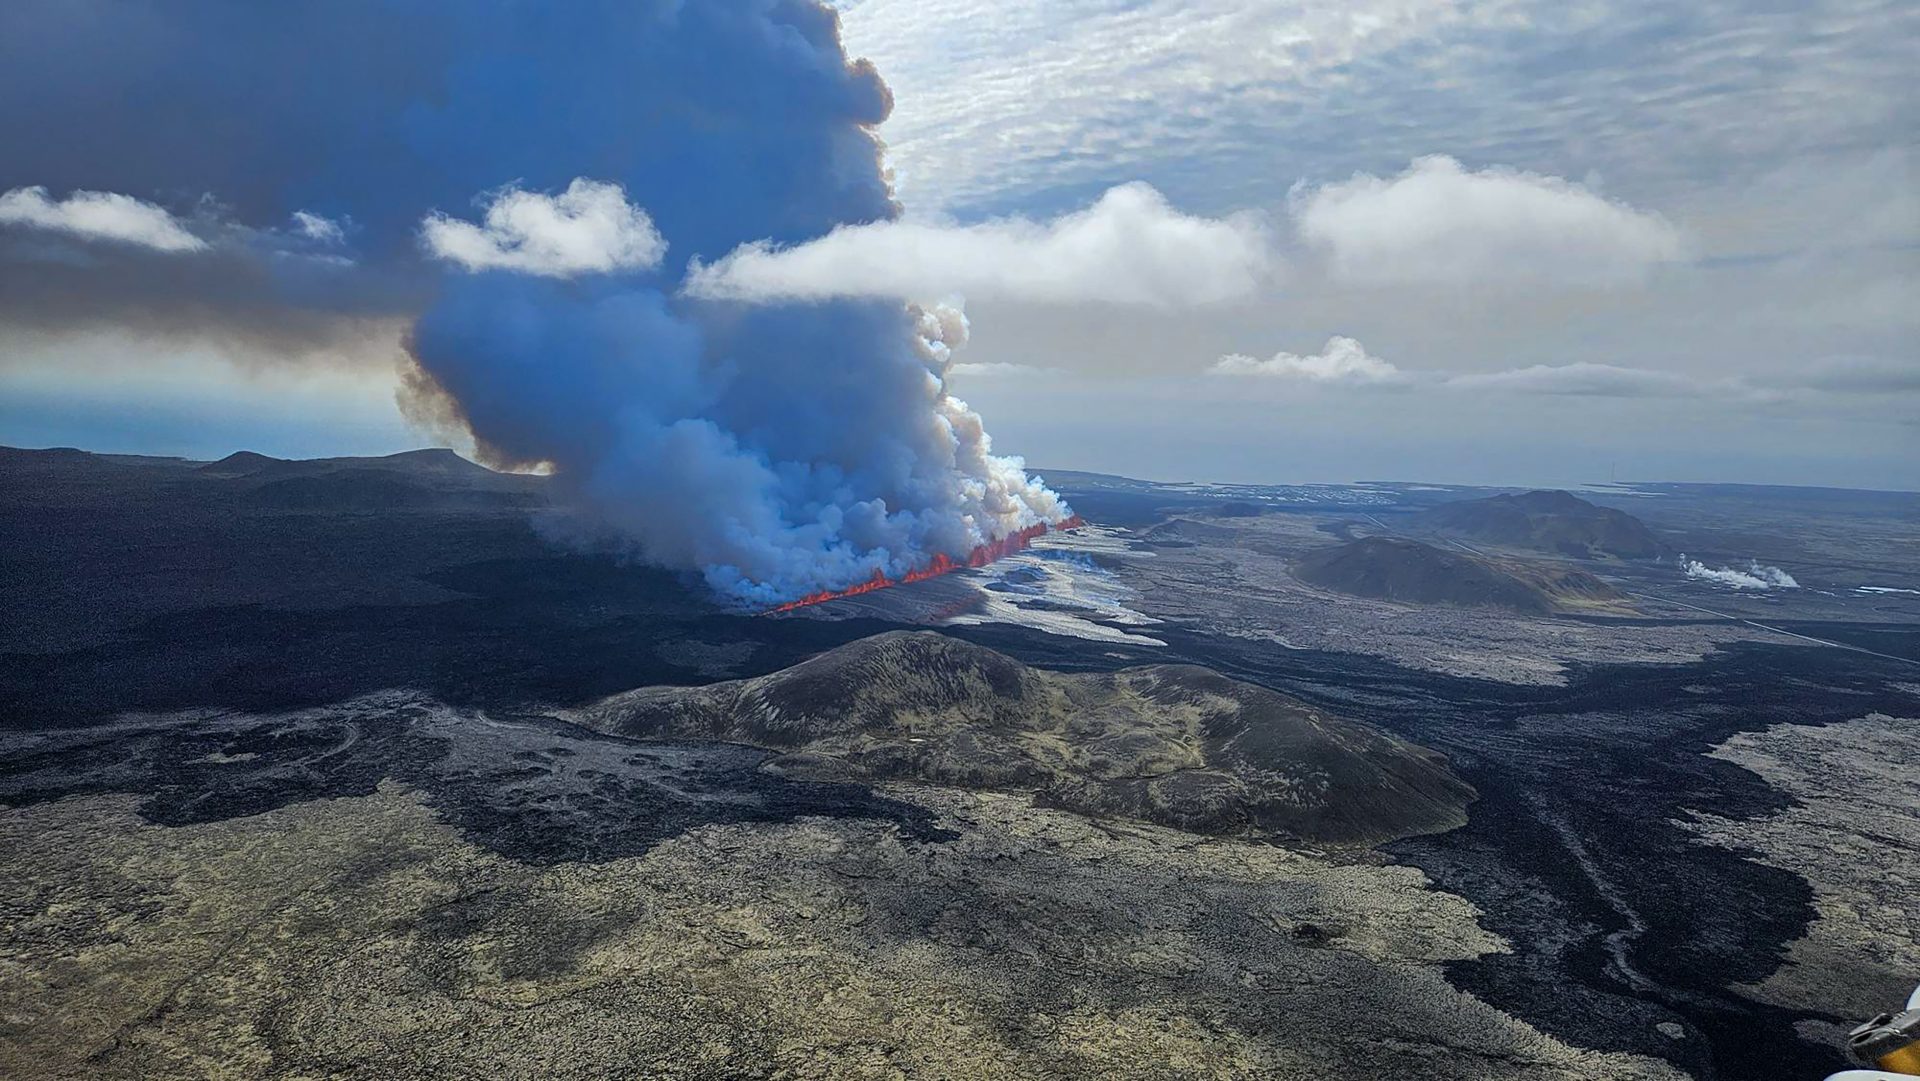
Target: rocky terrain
1409,572
1238,577
1176,745
98,544
367,937
1851,832
1546,521
341,769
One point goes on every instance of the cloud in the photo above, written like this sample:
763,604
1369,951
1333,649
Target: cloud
1851,375
316,228
1440,224
587,229
1860,375
773,450
99,215
1001,100
1587,380
1129,247
1343,360
1346,362
997,369
1210,99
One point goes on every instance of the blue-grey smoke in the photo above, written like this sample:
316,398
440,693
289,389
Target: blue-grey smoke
776,450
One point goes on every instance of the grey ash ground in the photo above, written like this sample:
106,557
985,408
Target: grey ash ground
336,769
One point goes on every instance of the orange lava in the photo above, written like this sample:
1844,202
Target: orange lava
941,564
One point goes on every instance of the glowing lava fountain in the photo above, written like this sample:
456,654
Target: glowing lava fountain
942,564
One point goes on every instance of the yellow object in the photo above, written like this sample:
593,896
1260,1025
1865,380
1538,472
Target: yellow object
1904,1060
1889,1042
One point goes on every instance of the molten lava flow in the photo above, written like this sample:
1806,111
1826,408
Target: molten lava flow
941,564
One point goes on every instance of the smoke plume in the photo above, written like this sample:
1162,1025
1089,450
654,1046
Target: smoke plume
1757,575
533,182
778,451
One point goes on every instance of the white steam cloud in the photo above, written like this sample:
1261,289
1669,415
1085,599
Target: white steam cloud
99,215
995,489
1343,360
590,228
1129,247
1756,576
1438,223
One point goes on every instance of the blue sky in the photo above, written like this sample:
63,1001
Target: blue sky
1676,241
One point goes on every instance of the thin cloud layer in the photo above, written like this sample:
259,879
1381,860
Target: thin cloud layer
1346,362
589,228
1129,247
1862,375
1441,224
997,369
1001,103
99,215
1343,360
1006,99
1586,380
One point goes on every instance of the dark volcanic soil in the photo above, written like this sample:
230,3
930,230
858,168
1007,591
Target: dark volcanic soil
1619,917
1392,569
1176,745
1551,521
530,788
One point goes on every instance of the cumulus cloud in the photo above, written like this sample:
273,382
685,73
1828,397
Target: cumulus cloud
1439,223
590,228
1129,247
1756,576
99,215
1343,360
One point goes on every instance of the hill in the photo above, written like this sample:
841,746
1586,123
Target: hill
427,462
1409,572
1187,532
1177,745
1546,521
240,463
99,545
1388,569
